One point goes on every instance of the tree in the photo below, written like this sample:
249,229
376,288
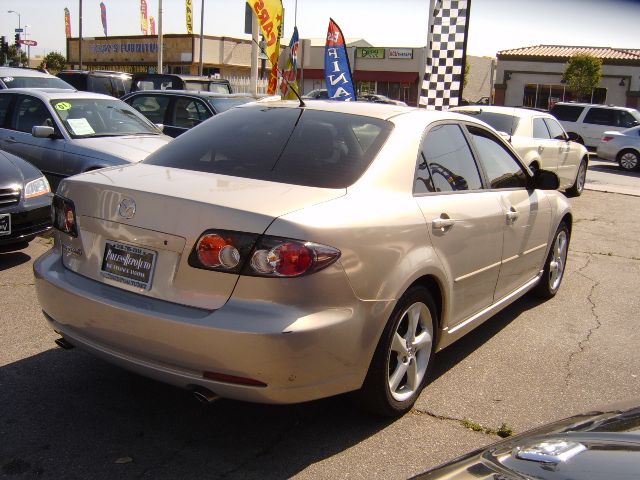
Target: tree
467,69
54,62
582,74
15,58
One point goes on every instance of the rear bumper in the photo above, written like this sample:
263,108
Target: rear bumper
607,151
300,354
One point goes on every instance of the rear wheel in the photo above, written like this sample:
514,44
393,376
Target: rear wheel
578,186
629,160
402,359
555,264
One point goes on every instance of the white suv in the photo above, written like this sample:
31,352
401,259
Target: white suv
589,121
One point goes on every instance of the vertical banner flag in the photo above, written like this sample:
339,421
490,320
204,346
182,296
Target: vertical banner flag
152,25
446,54
67,23
103,17
143,17
189,17
337,71
290,75
269,14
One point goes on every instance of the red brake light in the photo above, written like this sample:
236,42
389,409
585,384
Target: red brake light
215,251
607,139
64,215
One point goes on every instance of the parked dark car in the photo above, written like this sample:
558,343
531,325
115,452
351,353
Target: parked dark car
603,444
318,94
25,201
107,82
13,77
180,110
377,98
165,81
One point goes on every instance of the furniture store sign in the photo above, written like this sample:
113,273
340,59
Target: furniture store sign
406,53
124,47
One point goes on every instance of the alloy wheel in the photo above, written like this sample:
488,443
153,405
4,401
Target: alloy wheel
581,178
410,351
558,260
629,161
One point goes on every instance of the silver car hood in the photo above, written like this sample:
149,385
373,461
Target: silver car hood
131,148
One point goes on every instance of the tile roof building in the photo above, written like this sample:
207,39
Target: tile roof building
533,76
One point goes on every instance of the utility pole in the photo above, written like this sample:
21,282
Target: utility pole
160,36
255,27
201,34
80,37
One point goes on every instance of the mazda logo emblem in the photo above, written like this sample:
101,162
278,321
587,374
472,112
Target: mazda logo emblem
127,208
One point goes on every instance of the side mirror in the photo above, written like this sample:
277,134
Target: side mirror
159,126
41,131
546,180
572,136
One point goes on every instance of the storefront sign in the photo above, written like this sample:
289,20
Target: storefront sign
401,53
367,52
124,47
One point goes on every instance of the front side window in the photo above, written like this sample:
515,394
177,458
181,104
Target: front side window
5,100
566,113
189,112
502,169
601,116
154,107
445,162
92,117
555,129
540,129
102,85
626,120
31,112
287,145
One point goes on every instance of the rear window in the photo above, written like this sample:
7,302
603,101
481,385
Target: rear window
286,145
36,82
499,121
78,80
566,113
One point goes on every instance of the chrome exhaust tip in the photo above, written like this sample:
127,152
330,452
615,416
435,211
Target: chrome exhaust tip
205,395
63,343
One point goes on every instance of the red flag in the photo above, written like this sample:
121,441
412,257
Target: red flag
67,23
143,17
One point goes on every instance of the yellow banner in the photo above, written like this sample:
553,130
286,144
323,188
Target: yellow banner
269,14
189,17
143,17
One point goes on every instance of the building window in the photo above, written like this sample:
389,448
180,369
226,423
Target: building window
544,96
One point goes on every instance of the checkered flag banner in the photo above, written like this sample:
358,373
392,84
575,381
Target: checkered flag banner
446,55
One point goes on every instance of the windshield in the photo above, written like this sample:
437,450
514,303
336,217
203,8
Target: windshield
499,121
223,104
36,82
97,117
287,145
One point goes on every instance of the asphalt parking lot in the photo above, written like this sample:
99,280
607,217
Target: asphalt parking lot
68,415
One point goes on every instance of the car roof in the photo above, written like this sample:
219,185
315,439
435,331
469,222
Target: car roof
191,93
22,72
513,111
576,104
55,93
102,72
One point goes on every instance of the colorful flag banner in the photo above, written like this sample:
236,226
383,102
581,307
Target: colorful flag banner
189,17
290,74
337,71
152,25
143,17
446,55
269,14
103,17
67,23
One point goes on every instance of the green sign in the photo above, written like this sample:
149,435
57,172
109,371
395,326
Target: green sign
369,52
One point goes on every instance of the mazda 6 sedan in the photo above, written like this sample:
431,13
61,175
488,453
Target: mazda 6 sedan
282,253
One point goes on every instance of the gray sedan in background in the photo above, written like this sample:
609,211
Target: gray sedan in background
64,132
622,147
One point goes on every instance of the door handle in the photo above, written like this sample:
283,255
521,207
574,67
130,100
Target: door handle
512,215
10,140
540,149
441,223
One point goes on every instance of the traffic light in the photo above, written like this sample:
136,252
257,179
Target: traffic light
4,46
17,39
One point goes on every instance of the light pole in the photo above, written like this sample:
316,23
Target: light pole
28,46
19,23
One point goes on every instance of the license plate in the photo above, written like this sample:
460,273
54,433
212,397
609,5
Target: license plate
128,264
5,224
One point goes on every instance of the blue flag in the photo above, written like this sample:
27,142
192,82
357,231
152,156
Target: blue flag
337,72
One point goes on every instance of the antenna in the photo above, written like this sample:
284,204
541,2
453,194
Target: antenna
302,104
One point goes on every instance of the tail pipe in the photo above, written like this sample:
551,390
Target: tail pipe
63,343
204,395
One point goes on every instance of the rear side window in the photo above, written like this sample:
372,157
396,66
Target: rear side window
555,129
78,81
503,171
5,100
154,107
287,145
601,116
102,85
566,113
445,162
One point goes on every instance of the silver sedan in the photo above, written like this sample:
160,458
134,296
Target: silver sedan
622,147
282,253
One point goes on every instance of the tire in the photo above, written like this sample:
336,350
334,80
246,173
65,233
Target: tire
629,160
578,186
397,374
555,264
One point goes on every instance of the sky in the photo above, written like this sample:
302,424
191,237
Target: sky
494,25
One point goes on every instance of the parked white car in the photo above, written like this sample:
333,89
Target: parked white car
540,141
590,121
622,147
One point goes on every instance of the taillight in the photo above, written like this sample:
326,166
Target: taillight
607,139
64,215
263,256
